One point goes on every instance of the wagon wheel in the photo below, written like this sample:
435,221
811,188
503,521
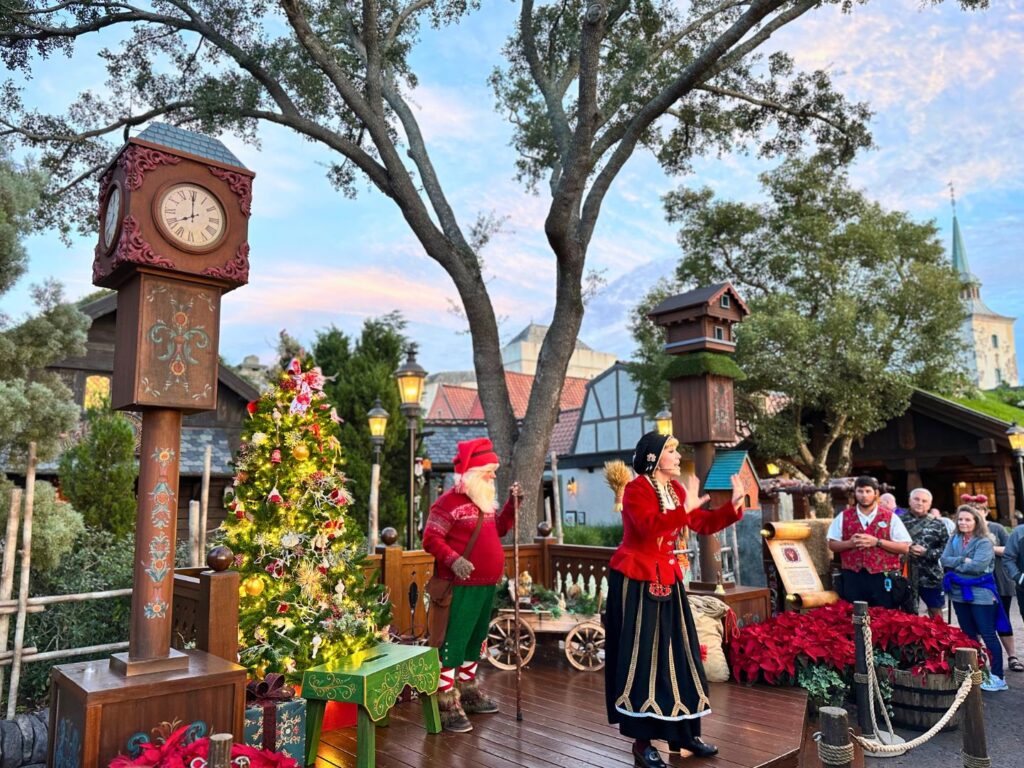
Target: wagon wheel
584,646
501,642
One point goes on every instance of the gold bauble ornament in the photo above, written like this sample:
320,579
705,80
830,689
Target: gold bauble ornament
253,586
301,451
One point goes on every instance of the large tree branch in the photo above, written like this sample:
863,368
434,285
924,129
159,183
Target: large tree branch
400,19
552,101
767,103
78,138
693,74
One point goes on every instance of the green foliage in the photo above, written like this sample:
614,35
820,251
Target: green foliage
97,562
20,192
825,686
1006,404
852,307
55,523
359,371
703,362
593,535
305,598
98,473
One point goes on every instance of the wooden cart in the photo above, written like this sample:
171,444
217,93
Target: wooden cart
584,637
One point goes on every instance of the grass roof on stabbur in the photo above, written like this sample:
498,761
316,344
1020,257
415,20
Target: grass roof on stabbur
990,404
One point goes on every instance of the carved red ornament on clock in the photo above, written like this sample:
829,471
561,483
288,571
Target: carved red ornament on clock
238,183
138,161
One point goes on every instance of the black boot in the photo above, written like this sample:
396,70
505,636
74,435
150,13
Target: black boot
647,757
694,745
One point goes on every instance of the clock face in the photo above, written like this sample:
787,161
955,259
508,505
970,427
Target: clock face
111,216
190,216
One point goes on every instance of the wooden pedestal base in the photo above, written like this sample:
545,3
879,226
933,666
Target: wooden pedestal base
94,710
123,665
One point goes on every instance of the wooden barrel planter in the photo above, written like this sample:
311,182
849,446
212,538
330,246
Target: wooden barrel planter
920,702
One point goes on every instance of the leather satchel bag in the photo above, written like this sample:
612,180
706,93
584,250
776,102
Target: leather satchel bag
440,593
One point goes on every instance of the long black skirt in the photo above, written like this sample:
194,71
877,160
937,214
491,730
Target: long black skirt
655,687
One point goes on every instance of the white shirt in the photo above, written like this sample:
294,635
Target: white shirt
898,531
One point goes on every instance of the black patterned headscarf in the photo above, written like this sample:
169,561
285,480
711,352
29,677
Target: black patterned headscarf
648,452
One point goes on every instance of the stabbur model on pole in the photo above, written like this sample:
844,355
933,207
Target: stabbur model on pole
699,330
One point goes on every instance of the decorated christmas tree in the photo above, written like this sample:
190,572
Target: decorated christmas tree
304,598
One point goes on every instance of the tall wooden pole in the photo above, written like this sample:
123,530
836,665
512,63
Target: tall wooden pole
149,643
710,550
975,750
860,669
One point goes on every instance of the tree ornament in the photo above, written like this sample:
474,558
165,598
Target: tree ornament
251,407
275,497
301,452
275,456
259,438
253,586
276,416
239,509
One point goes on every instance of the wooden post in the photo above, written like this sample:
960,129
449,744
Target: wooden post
204,500
835,734
195,546
149,641
556,498
7,580
860,670
26,561
710,549
975,744
391,578
219,755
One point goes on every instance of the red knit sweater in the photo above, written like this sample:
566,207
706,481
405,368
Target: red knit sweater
450,525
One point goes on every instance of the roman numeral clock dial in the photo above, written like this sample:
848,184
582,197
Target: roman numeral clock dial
190,216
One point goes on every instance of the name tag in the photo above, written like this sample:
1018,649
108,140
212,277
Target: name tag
882,524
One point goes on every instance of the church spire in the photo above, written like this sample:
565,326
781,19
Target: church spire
971,283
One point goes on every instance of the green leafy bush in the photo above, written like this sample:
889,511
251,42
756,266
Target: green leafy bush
593,535
55,524
99,561
98,474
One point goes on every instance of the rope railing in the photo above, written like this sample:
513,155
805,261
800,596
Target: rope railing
835,747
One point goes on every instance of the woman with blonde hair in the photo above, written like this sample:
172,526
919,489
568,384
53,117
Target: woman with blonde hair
655,686
969,560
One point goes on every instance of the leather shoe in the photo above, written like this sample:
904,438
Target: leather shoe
695,745
648,758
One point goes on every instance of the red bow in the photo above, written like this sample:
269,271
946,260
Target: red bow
981,498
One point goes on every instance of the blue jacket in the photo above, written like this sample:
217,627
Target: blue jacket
982,560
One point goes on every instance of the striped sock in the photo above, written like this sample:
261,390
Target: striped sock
467,672
447,680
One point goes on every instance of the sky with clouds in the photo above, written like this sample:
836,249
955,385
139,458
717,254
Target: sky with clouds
945,87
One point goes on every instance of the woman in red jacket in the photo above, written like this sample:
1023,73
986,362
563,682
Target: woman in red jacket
655,687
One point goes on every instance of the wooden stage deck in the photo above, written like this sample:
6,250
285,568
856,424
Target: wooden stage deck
564,726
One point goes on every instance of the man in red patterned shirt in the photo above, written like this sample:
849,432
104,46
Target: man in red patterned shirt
870,540
464,515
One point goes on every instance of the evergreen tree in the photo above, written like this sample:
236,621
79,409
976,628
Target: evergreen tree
98,474
358,374
306,600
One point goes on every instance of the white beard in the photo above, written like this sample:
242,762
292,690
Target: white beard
482,492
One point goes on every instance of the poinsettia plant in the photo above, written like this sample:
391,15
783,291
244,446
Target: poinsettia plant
775,650
179,750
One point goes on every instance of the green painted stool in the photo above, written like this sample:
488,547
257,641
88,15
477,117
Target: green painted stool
374,685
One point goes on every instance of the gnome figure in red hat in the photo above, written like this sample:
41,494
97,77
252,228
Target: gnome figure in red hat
463,534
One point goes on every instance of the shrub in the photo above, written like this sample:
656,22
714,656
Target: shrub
98,474
55,524
98,562
593,535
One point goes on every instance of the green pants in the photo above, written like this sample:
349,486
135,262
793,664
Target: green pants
467,624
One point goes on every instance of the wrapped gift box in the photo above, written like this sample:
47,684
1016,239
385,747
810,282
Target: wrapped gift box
279,725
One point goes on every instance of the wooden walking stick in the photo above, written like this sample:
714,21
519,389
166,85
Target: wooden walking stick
515,575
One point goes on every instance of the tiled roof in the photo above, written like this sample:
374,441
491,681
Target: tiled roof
452,403
440,440
193,448
192,143
574,391
564,432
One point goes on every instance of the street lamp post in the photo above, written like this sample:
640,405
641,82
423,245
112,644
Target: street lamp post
1015,434
410,389
378,419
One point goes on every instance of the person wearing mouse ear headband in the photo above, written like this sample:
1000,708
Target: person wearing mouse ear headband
655,686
